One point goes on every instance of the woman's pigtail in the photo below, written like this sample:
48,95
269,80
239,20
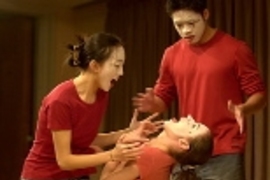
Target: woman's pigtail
74,59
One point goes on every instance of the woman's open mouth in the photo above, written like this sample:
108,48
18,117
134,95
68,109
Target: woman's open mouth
113,81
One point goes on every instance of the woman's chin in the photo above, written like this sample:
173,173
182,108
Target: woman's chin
107,88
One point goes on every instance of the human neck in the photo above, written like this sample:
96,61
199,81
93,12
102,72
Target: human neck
160,142
86,87
208,34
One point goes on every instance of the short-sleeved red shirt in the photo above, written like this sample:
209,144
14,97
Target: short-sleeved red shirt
62,109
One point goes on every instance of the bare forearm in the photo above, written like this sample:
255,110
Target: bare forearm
254,103
106,139
72,162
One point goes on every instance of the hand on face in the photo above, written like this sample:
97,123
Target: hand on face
144,102
237,110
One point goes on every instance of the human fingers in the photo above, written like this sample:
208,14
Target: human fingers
240,120
159,124
230,106
237,111
137,101
132,145
135,114
241,126
141,95
134,120
149,90
123,152
148,132
121,138
133,151
135,137
148,125
152,116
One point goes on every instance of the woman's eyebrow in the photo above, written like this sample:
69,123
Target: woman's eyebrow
119,60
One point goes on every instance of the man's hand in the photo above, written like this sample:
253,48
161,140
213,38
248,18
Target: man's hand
237,110
145,102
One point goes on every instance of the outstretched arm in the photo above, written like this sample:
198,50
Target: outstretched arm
149,102
107,139
70,161
254,103
146,127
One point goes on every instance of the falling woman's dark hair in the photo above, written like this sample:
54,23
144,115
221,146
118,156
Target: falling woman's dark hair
200,150
96,47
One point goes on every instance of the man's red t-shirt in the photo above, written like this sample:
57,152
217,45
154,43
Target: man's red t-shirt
204,78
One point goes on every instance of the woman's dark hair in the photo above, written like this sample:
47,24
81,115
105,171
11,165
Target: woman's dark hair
200,150
197,6
96,47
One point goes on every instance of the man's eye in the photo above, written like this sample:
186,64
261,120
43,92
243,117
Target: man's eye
192,22
179,25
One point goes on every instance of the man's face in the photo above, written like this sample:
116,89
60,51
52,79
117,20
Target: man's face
186,127
189,25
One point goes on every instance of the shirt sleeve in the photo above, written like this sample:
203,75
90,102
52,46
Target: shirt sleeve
165,87
247,71
59,116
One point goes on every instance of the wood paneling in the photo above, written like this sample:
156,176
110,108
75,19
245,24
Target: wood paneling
16,44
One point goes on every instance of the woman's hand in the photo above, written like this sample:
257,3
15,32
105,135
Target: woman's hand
147,126
127,151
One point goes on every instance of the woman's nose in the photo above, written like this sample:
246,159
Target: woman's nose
190,118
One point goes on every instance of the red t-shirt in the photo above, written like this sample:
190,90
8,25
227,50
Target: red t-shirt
62,109
203,78
154,164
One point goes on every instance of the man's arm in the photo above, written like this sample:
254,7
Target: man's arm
254,103
149,102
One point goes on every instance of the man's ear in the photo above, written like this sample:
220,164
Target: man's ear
94,66
183,144
206,14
